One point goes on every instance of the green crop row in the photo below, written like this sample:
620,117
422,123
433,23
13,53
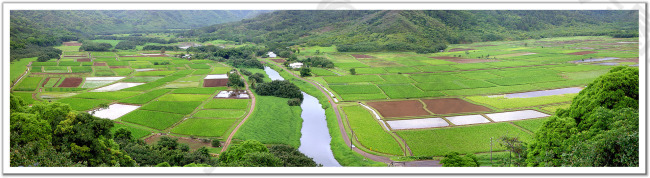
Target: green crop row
369,132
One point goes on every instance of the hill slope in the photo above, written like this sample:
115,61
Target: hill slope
413,30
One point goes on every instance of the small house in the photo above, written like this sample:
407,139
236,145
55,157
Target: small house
295,65
271,54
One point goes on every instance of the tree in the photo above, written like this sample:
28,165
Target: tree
291,157
600,128
353,71
279,88
305,72
237,152
162,51
516,146
215,143
234,80
453,159
43,58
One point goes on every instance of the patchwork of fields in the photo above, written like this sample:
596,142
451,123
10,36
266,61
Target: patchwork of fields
169,98
430,104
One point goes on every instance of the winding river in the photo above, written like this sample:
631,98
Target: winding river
315,139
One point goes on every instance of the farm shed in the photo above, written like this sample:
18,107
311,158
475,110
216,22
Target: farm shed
215,80
295,65
271,54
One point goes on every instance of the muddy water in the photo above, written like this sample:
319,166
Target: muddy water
315,139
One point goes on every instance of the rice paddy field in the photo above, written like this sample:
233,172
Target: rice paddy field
483,76
169,97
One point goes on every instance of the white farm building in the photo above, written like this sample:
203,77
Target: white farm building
295,65
271,54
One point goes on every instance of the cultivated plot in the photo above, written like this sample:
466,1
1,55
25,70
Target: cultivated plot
116,87
516,115
417,123
452,105
399,108
467,120
114,111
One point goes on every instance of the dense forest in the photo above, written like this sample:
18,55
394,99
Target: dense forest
30,29
422,31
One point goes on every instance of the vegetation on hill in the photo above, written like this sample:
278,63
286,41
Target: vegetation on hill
421,31
601,128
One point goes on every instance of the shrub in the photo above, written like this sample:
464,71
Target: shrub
216,143
294,102
245,72
283,89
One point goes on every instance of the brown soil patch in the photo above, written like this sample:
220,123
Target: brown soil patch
44,82
215,82
399,108
74,56
83,60
279,60
194,144
361,56
452,105
99,64
583,52
460,49
71,82
71,44
113,67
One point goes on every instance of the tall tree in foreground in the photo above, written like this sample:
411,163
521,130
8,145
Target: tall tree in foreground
601,128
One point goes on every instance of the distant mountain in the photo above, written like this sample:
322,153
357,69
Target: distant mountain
412,30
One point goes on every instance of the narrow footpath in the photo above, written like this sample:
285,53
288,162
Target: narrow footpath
250,111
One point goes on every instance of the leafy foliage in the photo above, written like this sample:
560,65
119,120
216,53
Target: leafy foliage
599,129
279,88
453,159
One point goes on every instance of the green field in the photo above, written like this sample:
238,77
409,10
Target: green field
28,84
227,104
399,91
531,124
466,139
185,107
27,97
183,97
220,113
145,97
115,95
17,68
369,132
272,122
204,127
80,104
152,119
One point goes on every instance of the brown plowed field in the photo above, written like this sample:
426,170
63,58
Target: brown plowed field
279,60
71,44
99,64
399,108
361,56
215,82
583,52
460,49
71,82
83,60
44,82
452,105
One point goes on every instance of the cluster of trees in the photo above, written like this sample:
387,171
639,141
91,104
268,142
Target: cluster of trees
454,159
252,153
167,151
160,47
92,46
44,53
281,88
601,128
318,61
416,30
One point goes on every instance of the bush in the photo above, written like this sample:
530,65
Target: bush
353,71
216,143
305,72
283,89
294,102
453,159
245,72
43,58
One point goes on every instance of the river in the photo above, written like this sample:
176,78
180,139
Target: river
315,139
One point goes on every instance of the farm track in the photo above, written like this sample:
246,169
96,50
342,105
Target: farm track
250,111
21,76
344,134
